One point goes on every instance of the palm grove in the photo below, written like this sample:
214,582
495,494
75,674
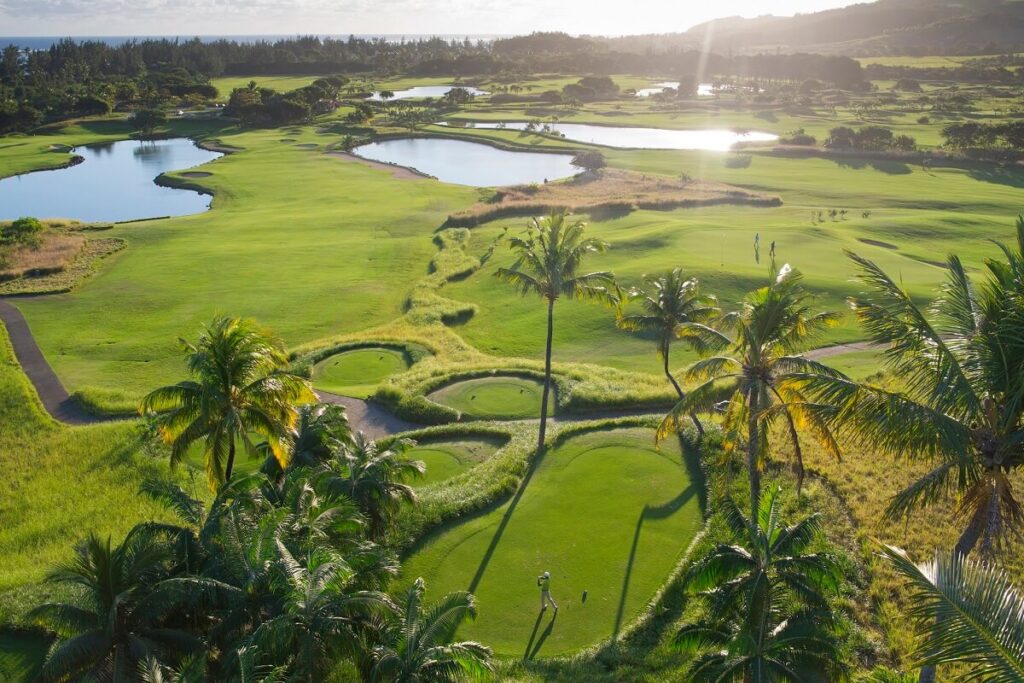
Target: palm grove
287,573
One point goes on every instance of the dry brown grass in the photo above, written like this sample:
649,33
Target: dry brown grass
610,191
55,252
58,266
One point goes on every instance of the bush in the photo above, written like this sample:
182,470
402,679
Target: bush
23,231
147,120
589,161
799,137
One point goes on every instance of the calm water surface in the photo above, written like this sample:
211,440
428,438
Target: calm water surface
422,91
114,183
469,163
714,139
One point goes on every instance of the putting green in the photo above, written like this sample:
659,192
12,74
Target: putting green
357,372
445,459
605,513
495,397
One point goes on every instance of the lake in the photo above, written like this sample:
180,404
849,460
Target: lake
469,163
703,89
114,183
424,91
713,139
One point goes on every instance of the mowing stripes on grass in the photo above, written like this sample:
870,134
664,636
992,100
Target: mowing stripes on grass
357,372
494,397
605,512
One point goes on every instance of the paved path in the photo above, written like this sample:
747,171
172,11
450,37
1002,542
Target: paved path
828,351
370,418
53,394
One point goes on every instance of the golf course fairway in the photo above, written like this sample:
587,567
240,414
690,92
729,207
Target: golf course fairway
357,372
445,459
494,397
605,512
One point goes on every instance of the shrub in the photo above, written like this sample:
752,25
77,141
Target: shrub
799,137
590,160
23,231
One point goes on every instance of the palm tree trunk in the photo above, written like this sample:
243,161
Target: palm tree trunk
547,377
753,439
231,460
679,391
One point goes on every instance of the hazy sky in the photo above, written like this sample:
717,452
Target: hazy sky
206,17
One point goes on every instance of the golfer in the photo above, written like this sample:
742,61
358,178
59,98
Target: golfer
544,581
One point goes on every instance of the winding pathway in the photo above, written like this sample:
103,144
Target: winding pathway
54,396
370,418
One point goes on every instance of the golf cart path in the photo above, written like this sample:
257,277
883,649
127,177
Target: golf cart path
828,351
54,396
370,418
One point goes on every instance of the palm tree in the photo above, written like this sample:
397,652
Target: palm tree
111,626
762,375
961,407
320,613
669,302
419,647
241,387
548,260
968,613
769,618
375,477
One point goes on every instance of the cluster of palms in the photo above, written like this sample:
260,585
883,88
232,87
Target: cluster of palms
283,575
959,407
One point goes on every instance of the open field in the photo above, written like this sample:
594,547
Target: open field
605,513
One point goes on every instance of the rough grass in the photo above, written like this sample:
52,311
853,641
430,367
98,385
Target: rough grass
607,193
62,483
61,264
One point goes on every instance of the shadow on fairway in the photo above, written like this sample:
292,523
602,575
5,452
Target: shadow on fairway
697,487
505,519
532,653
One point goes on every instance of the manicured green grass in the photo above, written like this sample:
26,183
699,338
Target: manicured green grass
334,254
605,512
446,458
493,397
358,372
856,364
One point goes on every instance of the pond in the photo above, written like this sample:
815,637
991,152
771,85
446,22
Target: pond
424,91
703,89
469,163
714,139
113,183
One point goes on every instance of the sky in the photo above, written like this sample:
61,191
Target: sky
460,17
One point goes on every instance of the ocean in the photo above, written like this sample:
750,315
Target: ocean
44,42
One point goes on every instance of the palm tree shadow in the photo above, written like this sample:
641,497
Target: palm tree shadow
697,487
505,519
543,636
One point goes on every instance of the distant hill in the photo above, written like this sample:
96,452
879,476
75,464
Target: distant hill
876,28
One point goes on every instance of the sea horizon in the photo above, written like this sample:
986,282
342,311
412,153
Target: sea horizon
44,42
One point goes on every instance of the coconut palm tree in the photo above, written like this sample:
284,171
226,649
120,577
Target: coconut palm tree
374,477
241,388
418,644
967,612
321,612
549,256
960,406
669,301
110,625
769,616
761,373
